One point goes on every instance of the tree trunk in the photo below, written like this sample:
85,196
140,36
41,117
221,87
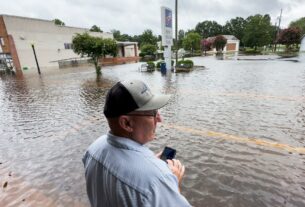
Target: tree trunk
97,67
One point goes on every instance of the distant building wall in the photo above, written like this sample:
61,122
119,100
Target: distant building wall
232,45
127,49
4,42
52,42
130,51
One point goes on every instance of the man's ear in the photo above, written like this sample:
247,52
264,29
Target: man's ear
125,123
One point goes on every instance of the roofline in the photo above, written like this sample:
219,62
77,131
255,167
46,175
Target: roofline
45,20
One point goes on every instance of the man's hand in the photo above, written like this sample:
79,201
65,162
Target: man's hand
177,168
158,155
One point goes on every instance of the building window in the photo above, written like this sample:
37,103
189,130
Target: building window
1,41
68,46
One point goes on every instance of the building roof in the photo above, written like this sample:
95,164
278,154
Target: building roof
35,19
126,43
228,37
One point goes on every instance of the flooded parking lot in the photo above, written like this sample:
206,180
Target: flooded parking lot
238,126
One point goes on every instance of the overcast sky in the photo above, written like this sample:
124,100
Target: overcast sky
134,16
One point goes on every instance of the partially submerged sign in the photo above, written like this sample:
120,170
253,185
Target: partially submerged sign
167,35
167,26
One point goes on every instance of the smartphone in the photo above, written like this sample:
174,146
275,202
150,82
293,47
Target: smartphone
168,154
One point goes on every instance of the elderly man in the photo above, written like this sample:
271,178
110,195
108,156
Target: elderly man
119,169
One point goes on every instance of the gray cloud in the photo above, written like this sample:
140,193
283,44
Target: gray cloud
134,16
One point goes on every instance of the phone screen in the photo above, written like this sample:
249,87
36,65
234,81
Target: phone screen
168,154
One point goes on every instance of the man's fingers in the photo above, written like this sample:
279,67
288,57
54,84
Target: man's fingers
182,170
159,154
174,162
177,164
170,162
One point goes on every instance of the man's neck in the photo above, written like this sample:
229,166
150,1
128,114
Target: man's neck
124,135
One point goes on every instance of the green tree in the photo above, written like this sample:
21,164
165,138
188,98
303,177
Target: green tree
300,23
258,31
290,37
136,38
181,35
95,28
159,38
116,34
220,42
208,29
94,47
192,42
121,37
125,37
148,49
235,27
58,22
147,37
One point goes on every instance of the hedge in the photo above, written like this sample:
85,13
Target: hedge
151,65
185,64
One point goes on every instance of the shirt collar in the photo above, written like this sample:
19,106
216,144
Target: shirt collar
126,143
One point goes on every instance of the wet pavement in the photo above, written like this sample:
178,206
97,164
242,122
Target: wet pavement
237,125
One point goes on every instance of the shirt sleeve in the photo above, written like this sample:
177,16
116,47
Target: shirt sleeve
166,193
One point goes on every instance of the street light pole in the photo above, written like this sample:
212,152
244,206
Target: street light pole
278,29
176,25
36,59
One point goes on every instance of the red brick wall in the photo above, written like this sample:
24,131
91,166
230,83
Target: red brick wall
231,46
118,60
14,54
9,46
4,35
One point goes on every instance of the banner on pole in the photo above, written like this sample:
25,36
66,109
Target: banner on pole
167,26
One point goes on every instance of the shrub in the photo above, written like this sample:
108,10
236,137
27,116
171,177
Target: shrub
159,64
289,37
148,58
148,49
220,42
206,44
193,55
251,51
151,65
189,62
185,64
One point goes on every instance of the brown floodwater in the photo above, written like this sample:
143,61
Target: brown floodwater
237,125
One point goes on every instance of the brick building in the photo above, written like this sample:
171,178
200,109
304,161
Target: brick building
52,43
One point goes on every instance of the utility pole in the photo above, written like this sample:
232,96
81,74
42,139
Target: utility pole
278,29
176,25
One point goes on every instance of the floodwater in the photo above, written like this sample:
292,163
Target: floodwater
237,125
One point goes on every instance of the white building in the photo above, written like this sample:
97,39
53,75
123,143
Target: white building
52,42
232,43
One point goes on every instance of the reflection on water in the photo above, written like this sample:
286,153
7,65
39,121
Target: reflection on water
302,47
237,125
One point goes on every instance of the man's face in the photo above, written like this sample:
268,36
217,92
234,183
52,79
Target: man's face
144,125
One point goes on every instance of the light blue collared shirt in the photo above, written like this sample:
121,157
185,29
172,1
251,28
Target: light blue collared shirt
121,172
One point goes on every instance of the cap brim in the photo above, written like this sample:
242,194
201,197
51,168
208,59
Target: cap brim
156,102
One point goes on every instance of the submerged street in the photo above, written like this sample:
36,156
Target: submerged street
237,125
